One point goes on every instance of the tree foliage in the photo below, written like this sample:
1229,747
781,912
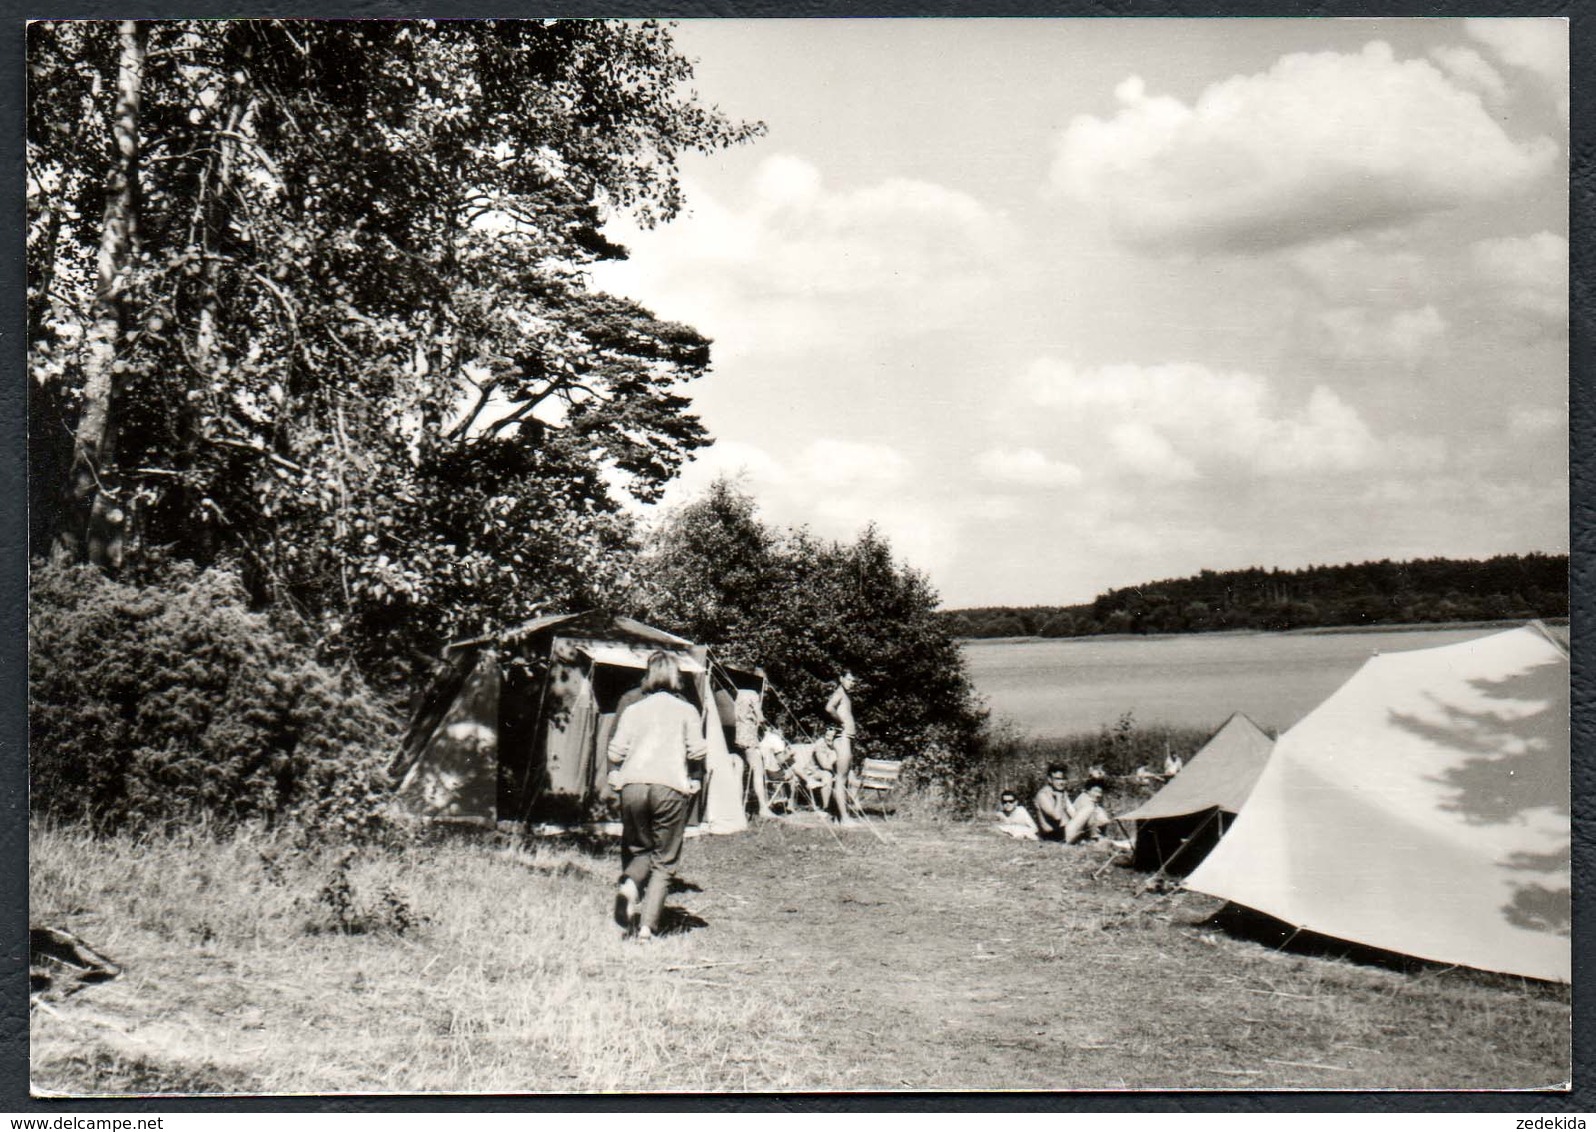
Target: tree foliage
807,608
1506,587
352,341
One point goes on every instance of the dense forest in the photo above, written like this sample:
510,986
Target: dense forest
1506,587
320,381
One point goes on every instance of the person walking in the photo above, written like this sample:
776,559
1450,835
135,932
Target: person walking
654,743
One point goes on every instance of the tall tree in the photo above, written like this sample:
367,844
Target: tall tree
94,527
807,608
356,346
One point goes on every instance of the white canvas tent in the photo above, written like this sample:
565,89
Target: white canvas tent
1423,808
1180,824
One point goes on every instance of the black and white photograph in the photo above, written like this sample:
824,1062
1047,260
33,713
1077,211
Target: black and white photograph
798,556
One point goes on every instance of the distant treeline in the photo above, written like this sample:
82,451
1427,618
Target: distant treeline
1509,586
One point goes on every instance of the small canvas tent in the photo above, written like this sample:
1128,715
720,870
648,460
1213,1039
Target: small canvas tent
1422,809
517,725
1177,827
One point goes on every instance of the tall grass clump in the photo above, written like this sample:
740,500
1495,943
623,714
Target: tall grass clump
169,702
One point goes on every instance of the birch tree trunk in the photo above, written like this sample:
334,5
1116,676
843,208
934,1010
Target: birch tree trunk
94,523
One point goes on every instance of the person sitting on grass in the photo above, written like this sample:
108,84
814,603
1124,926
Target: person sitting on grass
1052,802
1014,819
1087,818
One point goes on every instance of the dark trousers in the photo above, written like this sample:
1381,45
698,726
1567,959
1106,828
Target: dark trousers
653,819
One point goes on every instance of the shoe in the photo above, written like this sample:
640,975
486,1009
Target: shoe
626,904
644,935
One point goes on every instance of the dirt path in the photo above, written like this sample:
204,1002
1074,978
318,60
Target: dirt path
948,957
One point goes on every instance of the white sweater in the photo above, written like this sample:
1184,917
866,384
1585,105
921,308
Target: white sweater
654,740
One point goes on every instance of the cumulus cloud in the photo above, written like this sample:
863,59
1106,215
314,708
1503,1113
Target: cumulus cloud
793,260
1536,44
1026,467
1320,144
835,487
835,464
803,240
1364,334
1528,273
1141,449
1349,271
1179,422
1468,67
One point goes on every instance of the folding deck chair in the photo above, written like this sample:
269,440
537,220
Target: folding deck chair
879,777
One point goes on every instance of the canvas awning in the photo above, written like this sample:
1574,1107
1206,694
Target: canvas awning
623,656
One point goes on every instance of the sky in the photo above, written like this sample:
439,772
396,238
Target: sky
1066,305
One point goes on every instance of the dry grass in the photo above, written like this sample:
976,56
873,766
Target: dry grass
912,955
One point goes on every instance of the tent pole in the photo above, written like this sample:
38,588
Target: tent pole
1163,868
786,707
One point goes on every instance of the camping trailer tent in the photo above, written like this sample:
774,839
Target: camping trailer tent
1423,809
517,725
1177,827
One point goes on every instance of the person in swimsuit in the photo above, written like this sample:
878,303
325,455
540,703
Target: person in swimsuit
840,708
1052,804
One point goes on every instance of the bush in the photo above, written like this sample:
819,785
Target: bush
170,701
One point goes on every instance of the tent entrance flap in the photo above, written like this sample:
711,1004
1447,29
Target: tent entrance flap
1177,827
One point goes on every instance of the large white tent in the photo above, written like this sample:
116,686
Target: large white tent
1423,809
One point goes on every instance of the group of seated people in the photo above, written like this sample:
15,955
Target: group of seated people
1058,817
812,764
1172,767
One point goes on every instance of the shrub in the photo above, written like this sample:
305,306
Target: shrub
165,702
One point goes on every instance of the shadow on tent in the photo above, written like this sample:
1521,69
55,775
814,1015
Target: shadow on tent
1506,774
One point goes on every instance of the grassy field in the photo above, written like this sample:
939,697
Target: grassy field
911,954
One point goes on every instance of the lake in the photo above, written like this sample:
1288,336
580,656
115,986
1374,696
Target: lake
1068,686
